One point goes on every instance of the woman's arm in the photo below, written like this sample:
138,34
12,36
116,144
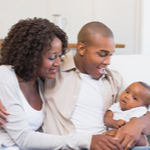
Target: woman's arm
18,129
3,115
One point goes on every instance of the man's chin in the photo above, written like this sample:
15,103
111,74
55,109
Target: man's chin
97,77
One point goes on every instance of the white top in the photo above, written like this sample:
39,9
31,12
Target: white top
17,130
127,114
89,109
34,117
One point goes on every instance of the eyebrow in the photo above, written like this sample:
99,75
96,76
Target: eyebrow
53,53
135,95
102,50
106,51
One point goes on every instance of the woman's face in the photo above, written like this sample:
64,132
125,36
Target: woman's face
51,60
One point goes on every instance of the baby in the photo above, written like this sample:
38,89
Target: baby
133,102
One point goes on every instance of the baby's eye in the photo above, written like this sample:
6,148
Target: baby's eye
134,98
126,91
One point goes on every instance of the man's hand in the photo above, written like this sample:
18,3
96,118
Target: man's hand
3,113
129,134
103,142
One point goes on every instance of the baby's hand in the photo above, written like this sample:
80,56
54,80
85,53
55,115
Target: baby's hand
119,123
111,133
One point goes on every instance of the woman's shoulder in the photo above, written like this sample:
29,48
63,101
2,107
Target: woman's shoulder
7,73
6,69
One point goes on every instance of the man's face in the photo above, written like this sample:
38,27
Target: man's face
96,56
134,96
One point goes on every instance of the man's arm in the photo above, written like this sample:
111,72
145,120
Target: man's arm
129,134
146,123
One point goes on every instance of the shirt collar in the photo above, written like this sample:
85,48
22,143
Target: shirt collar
68,62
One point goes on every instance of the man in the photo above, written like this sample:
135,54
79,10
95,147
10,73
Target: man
85,88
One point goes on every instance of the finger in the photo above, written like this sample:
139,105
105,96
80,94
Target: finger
3,109
130,145
2,123
115,145
119,135
4,117
104,147
126,140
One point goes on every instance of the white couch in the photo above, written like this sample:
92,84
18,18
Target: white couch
132,67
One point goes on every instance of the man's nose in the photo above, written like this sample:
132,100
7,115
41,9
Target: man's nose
107,60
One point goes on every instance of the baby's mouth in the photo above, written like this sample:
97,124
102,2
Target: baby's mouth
123,101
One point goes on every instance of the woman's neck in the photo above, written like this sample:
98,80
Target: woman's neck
31,92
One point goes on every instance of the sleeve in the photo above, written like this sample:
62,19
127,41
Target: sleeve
18,128
137,112
114,107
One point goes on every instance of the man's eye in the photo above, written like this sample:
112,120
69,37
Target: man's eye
102,55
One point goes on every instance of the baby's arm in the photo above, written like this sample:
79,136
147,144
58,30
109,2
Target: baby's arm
110,122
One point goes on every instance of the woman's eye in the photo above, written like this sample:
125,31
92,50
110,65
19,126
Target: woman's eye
51,58
60,55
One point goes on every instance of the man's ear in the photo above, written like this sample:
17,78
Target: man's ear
81,48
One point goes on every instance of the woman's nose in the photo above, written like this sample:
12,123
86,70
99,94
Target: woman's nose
57,61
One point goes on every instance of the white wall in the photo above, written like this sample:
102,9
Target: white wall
145,36
119,15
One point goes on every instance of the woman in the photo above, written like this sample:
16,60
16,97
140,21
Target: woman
31,50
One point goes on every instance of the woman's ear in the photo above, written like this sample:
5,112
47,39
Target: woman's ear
81,48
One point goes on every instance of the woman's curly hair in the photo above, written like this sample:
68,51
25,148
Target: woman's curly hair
25,44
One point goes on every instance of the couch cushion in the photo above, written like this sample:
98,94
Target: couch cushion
132,67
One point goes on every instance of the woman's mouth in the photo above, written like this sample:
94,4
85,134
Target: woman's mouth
54,70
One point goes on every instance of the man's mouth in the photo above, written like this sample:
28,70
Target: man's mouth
101,70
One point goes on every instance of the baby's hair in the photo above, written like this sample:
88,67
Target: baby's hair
145,85
147,102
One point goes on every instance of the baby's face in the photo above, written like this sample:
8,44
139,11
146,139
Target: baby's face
134,96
